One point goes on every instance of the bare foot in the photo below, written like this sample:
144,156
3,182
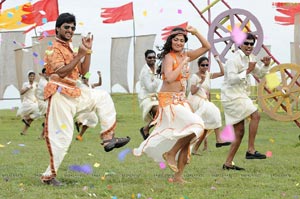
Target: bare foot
170,161
179,180
196,153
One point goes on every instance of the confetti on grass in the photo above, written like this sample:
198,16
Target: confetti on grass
122,155
269,154
96,164
162,165
87,169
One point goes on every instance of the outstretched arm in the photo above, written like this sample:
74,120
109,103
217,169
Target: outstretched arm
99,81
221,73
194,54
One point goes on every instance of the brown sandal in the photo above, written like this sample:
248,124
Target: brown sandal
115,143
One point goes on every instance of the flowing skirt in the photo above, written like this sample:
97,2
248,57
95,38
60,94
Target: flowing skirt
175,120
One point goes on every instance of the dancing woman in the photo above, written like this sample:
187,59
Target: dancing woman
176,125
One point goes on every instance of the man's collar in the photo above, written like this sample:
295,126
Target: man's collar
242,54
62,41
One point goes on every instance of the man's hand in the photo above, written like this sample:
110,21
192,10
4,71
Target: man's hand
88,41
266,60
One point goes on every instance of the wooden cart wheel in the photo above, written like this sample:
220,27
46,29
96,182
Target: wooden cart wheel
219,33
282,103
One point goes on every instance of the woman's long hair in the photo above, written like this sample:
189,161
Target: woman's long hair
168,46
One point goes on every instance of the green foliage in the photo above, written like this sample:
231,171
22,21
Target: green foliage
21,166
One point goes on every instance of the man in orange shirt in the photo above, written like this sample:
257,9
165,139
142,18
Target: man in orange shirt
65,99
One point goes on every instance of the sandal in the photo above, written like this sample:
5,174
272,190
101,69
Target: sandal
25,122
143,133
115,143
171,166
233,167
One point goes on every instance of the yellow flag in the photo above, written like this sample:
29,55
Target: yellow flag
10,19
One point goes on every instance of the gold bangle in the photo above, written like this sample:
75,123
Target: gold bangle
193,33
89,51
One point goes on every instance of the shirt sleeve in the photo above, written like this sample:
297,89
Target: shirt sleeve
260,70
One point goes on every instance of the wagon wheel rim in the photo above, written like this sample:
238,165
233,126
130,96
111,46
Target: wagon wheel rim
282,103
220,37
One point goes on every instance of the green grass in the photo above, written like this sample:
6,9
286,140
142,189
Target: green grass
21,166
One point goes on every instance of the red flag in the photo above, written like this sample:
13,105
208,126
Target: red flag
288,10
122,13
41,12
167,30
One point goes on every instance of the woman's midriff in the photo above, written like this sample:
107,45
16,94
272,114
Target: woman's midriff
168,98
173,87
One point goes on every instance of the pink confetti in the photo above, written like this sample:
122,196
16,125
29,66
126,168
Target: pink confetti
269,154
161,10
36,60
162,165
237,35
45,34
227,134
179,11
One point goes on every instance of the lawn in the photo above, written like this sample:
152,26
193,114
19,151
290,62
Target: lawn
24,158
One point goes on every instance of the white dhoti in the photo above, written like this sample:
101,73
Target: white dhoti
174,121
88,119
42,105
61,111
59,130
146,105
29,110
238,109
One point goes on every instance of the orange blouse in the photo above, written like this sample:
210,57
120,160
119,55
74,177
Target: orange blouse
175,65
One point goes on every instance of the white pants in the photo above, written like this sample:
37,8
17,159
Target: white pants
59,123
